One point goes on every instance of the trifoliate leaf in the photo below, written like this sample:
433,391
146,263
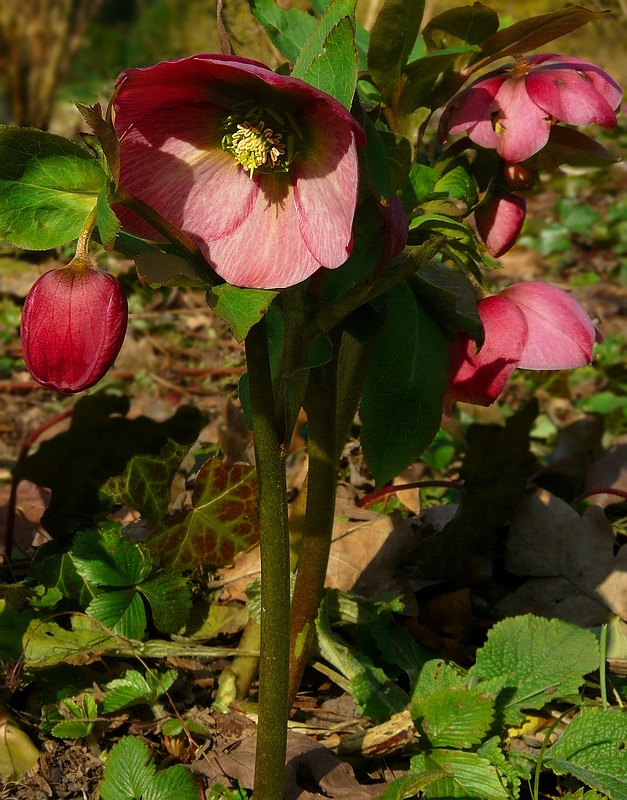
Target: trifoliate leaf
135,689
121,610
542,660
108,558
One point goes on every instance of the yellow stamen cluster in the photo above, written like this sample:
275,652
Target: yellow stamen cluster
256,146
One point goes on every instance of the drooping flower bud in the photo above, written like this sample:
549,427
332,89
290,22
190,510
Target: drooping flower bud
499,221
395,230
73,326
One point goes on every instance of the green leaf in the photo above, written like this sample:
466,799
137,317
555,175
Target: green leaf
511,771
54,565
128,771
240,308
437,676
531,33
108,558
458,183
99,444
81,719
391,41
328,60
146,482
208,620
568,146
108,223
406,378
173,783
72,729
542,660
460,26
222,522
47,644
469,775
48,187
288,29
419,185
155,269
410,785
449,297
170,600
135,689
593,748
121,610
455,717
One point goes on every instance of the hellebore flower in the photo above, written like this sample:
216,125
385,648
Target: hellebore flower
73,325
530,325
499,221
513,108
259,169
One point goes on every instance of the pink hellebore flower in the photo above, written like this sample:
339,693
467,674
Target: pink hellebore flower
499,221
513,108
530,325
73,325
259,169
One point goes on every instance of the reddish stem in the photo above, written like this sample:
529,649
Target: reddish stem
372,497
30,441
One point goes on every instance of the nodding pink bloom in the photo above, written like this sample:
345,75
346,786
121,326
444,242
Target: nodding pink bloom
499,221
259,169
73,325
530,325
395,230
513,108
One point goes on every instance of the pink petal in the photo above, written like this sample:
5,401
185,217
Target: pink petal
471,106
499,221
561,334
175,163
326,183
602,81
569,96
480,377
267,251
73,326
523,128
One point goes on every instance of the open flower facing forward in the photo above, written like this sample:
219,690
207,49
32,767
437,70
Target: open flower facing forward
259,169
513,108
73,326
530,325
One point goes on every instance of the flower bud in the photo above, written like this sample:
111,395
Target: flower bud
73,326
516,176
499,221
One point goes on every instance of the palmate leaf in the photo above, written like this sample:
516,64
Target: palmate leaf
222,522
592,748
48,187
541,660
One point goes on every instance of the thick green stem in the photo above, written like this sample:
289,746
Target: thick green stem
331,403
275,573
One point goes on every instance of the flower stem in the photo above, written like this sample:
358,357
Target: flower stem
275,573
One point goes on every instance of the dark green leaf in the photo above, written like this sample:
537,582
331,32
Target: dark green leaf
128,771
108,223
155,269
108,558
170,600
542,660
222,523
240,308
568,146
407,376
391,41
460,26
48,187
54,565
449,297
289,29
328,60
145,483
121,611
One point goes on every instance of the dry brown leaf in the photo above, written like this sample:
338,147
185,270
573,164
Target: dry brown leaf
549,539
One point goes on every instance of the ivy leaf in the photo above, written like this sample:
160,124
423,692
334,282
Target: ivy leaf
329,58
145,483
48,187
128,771
392,39
240,308
406,378
121,611
469,775
289,29
108,558
222,522
170,600
135,689
592,748
542,660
